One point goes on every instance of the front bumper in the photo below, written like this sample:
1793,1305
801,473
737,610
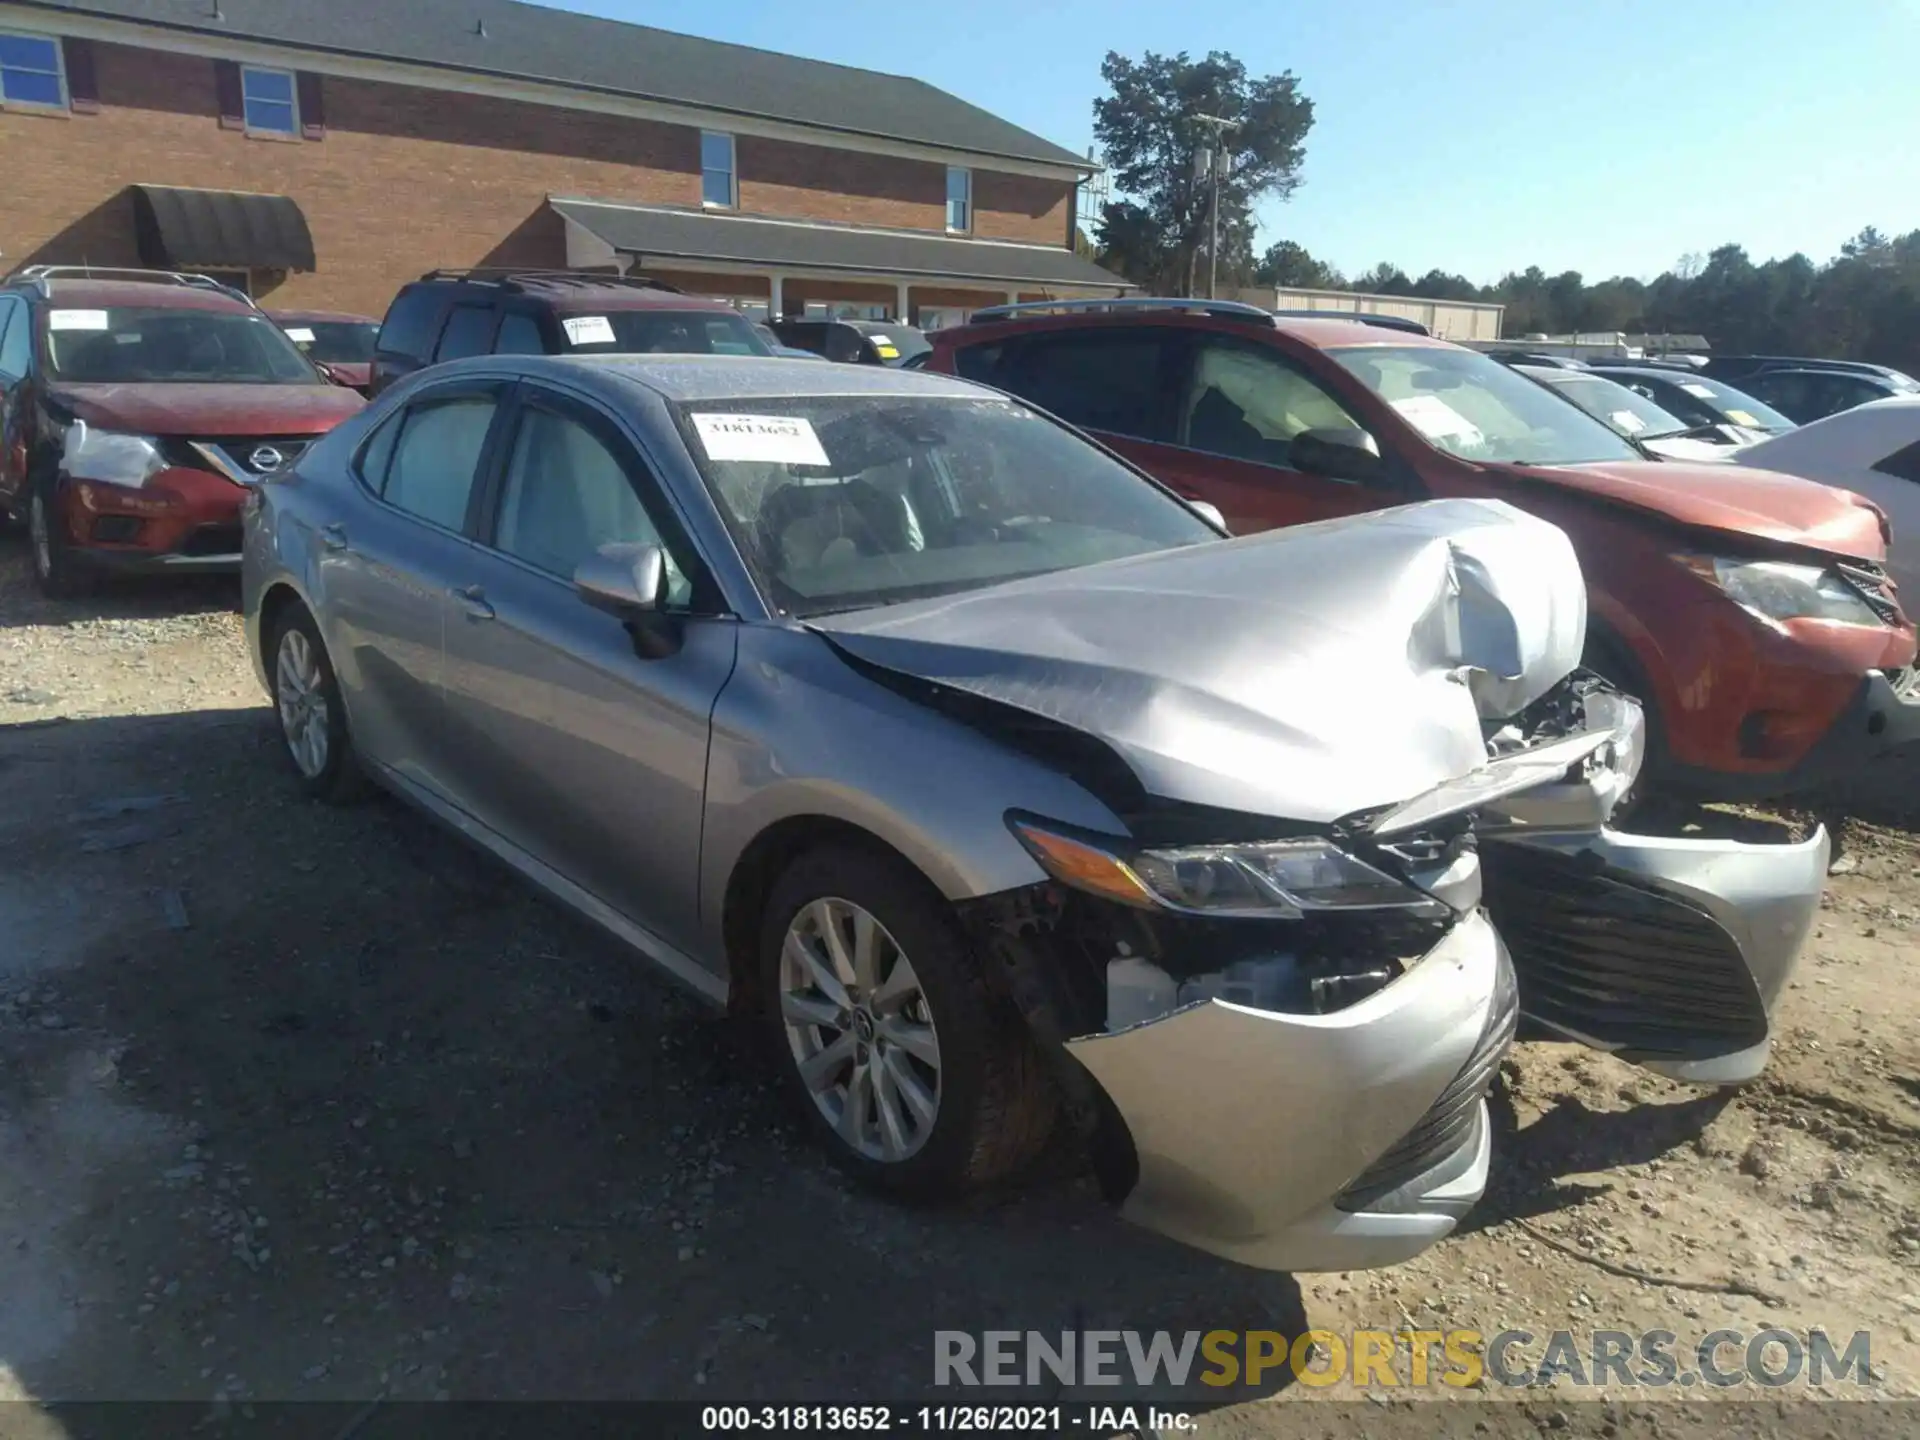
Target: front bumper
1671,953
1317,1142
180,520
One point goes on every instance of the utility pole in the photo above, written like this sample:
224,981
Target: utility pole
1219,127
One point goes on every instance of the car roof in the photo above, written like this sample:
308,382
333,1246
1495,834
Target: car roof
324,317
1330,334
109,294
694,378
571,293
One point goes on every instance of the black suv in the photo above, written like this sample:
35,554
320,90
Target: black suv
451,314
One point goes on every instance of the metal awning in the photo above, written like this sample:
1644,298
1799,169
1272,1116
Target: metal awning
658,233
219,230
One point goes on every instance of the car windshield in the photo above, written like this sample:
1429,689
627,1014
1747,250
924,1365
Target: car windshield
895,344
1696,397
1612,404
1476,408
335,342
653,331
135,345
846,502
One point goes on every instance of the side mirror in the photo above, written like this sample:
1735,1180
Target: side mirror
1209,513
1339,453
624,580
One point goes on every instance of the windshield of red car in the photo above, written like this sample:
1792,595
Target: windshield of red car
335,342
849,501
138,345
1463,403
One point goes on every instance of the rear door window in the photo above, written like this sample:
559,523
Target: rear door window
469,331
429,470
1117,381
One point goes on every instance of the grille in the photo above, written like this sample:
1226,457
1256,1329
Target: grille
1873,586
1447,1126
1609,958
211,540
237,453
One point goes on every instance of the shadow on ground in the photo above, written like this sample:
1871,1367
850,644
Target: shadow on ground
317,1103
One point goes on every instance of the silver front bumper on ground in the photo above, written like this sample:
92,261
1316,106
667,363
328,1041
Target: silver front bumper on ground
1253,1128
1671,952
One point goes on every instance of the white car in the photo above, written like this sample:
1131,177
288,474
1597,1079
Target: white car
1872,450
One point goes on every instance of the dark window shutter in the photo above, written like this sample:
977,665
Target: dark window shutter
226,89
313,108
83,90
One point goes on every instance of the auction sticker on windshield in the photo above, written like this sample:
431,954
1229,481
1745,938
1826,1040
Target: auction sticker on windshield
588,329
1627,422
1699,392
1436,419
776,439
77,320
300,335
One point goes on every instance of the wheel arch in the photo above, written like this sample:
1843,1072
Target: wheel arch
759,867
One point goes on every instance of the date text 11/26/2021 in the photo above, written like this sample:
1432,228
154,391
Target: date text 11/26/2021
1099,1420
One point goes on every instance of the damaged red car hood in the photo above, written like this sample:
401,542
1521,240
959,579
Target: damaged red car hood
221,409
1761,503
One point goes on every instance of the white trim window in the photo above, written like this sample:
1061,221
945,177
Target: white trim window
959,200
719,181
32,71
270,100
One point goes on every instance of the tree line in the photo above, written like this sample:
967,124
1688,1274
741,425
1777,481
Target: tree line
1863,304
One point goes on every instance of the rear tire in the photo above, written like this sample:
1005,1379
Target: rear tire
57,570
313,718
859,954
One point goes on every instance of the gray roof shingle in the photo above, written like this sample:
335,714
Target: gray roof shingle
532,42
660,233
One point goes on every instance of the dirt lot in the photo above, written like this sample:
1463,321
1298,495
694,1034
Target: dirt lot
309,1103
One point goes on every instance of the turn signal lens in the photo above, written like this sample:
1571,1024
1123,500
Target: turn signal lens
1083,866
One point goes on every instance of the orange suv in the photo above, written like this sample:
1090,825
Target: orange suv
1751,611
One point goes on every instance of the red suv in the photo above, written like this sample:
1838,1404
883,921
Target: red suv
138,408
1750,610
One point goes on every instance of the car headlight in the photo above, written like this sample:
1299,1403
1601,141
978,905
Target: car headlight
1610,710
1269,880
1782,590
110,457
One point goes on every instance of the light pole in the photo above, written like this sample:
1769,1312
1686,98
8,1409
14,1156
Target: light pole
1219,126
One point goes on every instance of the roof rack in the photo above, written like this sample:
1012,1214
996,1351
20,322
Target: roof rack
1218,309
1360,317
42,274
518,277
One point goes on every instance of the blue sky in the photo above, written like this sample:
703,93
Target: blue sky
1605,136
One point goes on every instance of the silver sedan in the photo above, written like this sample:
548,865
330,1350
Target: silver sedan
1004,789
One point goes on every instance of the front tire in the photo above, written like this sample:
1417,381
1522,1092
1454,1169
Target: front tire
313,719
915,1076
57,570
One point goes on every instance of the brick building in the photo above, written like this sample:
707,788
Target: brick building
323,151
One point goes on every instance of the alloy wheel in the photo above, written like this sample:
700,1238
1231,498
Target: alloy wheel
860,1029
301,692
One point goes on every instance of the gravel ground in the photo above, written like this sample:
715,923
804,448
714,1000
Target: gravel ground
308,1103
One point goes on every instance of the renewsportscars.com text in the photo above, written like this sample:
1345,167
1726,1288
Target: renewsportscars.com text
1460,1359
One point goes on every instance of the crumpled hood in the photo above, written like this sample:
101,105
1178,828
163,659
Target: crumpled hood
222,409
1739,498
1303,673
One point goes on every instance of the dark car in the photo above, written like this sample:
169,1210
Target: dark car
1735,368
1750,610
857,342
1698,399
339,343
140,408
452,314
1815,392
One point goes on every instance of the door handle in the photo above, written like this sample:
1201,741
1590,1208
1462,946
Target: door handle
334,537
473,600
